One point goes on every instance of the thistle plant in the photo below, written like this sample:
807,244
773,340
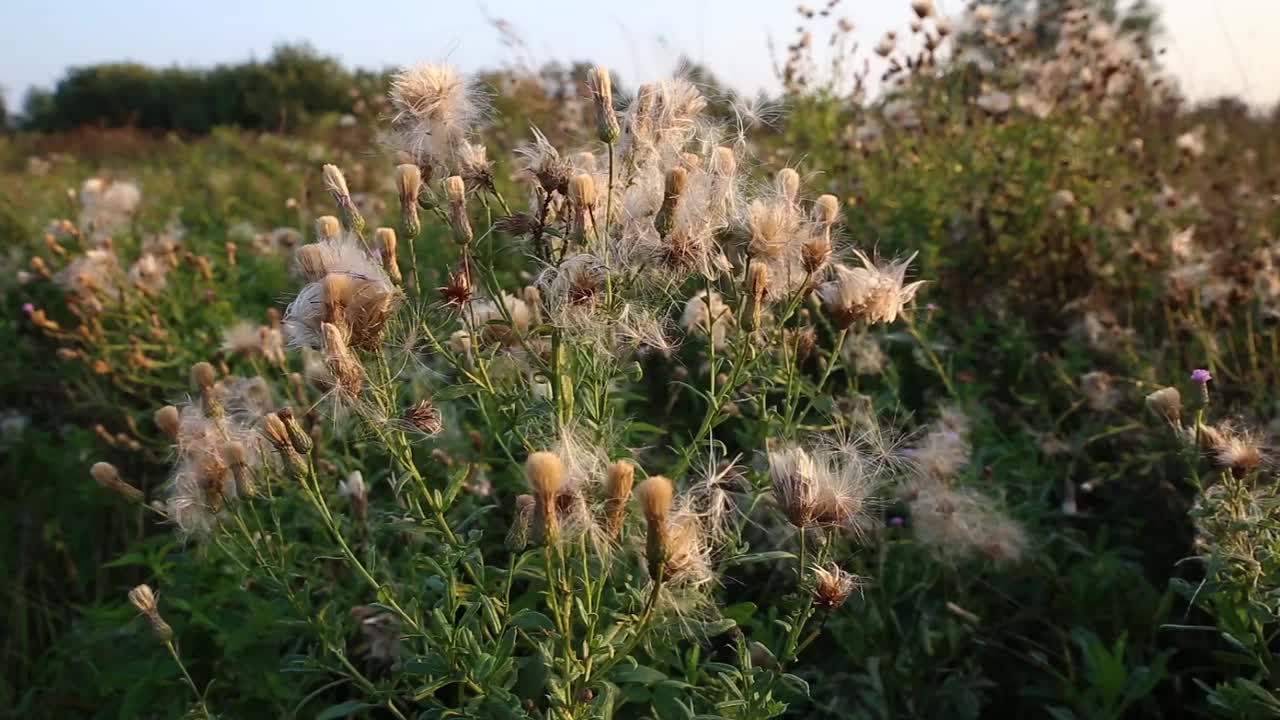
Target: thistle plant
653,253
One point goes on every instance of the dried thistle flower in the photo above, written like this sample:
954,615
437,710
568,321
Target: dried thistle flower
236,455
601,84
336,183
425,417
106,475
676,181
832,586
456,190
655,495
274,429
1167,403
545,474
518,534
168,420
328,228
408,186
618,484
144,599
346,370
385,240
870,294
435,109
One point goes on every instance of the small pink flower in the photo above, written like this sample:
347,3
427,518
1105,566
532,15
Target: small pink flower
28,308
1201,376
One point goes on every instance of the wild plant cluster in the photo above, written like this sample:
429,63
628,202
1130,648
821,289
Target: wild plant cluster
632,413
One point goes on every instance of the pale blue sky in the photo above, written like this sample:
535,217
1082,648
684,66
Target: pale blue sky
1215,46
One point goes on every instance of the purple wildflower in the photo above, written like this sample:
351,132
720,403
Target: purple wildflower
1201,376
28,308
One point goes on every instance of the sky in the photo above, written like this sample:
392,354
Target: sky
1214,47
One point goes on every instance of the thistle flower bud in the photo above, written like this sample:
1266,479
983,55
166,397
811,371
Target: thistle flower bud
826,209
618,483
278,435
788,183
601,85
456,190
1167,403
922,8
409,185
385,240
815,252
347,372
311,261
236,456
144,600
545,474
169,420
203,376
677,179
328,228
723,162
106,475
298,437
656,495
518,533
336,183
582,200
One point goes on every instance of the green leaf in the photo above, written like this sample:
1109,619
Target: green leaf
760,557
639,674
667,704
342,710
532,620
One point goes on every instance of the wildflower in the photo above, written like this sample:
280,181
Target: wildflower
1167,403
655,495
384,239
607,128
832,489
409,185
345,370
169,420
106,475
1191,143
456,191
619,481
676,181
143,598
435,109
518,534
274,429
832,586
425,417
336,183
348,288
944,450
871,294
545,474
1200,376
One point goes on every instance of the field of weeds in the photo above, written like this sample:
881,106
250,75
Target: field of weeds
546,396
